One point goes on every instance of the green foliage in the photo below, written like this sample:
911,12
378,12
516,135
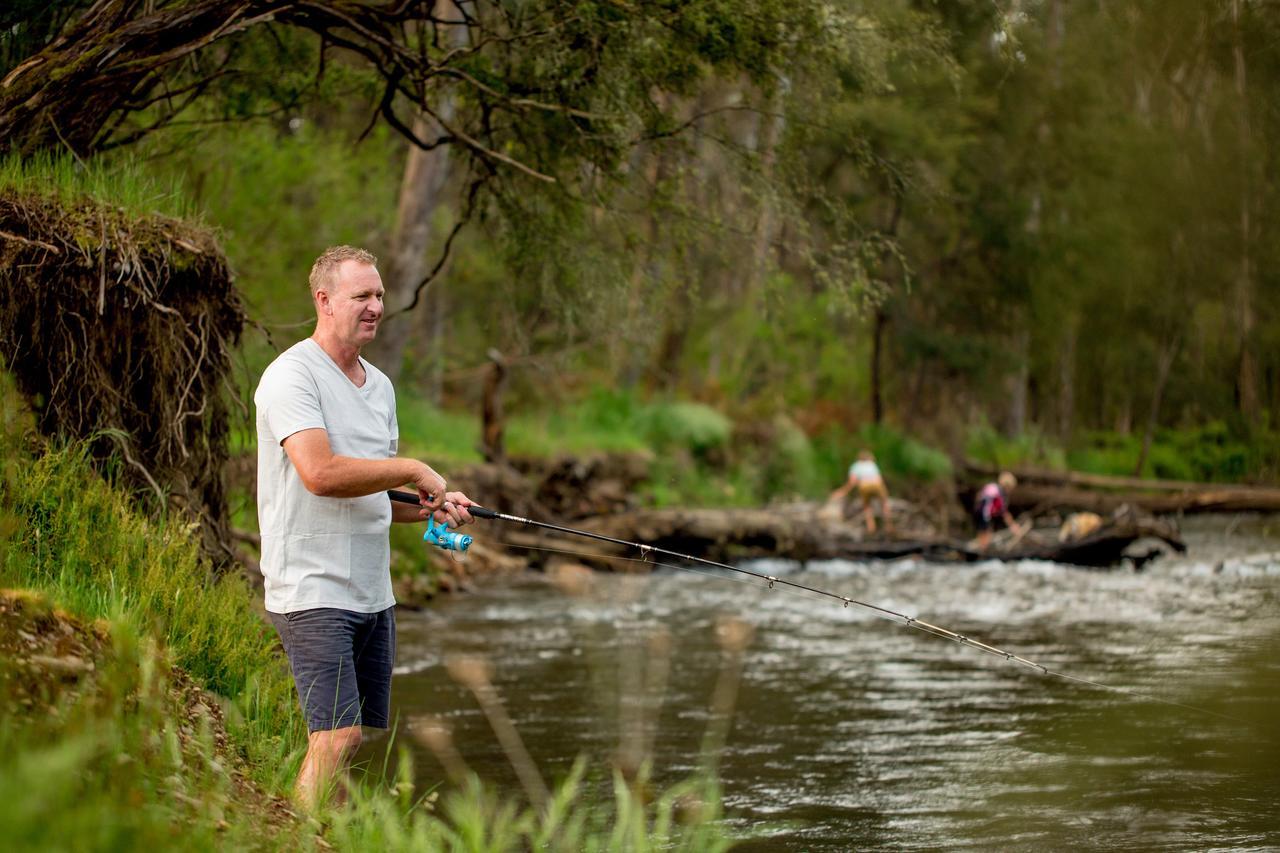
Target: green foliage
678,481
611,420
447,438
789,465
694,427
115,761
985,445
603,420
1050,207
278,197
1211,453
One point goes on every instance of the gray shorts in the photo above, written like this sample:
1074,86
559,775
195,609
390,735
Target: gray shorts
341,662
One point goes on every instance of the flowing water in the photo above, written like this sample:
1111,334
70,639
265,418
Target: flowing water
852,732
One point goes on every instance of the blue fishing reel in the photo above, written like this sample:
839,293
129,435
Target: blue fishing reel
442,537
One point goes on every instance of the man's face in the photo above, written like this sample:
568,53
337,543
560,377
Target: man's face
354,303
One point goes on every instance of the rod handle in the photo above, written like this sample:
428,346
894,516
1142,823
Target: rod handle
410,498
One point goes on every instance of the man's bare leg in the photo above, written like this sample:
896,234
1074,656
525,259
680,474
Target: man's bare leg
327,755
869,516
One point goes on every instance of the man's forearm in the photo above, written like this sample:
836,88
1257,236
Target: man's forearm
348,477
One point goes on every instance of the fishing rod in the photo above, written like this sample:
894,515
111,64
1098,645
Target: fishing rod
441,536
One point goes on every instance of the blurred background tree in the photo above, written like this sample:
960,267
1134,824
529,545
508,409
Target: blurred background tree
1027,225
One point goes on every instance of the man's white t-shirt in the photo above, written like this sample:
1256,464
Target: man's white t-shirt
323,552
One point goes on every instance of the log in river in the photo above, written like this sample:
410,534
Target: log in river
796,531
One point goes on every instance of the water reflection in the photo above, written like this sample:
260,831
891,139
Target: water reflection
853,732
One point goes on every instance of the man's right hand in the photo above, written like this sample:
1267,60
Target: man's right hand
431,488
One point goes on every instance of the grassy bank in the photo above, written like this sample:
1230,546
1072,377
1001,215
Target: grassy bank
703,456
110,759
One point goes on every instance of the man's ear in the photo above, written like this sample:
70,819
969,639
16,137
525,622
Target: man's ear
322,302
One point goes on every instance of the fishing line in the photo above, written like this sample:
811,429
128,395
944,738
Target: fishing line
773,581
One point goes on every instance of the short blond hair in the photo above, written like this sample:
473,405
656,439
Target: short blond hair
325,269
1007,481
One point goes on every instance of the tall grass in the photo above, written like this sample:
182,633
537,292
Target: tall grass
476,817
74,538
123,184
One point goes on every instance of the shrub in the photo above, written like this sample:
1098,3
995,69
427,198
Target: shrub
695,427
902,457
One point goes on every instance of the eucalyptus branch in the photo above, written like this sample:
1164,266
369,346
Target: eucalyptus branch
485,151
467,212
518,102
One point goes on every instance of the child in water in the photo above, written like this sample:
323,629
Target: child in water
864,475
992,503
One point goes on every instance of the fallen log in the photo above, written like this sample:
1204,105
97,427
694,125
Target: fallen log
1209,499
793,532
1040,490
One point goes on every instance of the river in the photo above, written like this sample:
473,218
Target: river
853,732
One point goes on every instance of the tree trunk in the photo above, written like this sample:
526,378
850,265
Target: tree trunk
645,275
771,127
1124,418
1167,355
433,326
877,364
1067,378
664,370
109,60
1017,418
881,319
421,188
1246,376
492,418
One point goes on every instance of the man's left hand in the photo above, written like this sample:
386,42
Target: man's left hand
452,512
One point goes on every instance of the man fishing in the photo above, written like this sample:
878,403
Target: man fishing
327,440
